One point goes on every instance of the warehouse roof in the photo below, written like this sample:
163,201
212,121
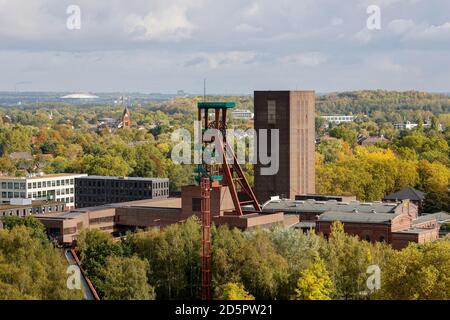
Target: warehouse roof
440,217
304,206
357,217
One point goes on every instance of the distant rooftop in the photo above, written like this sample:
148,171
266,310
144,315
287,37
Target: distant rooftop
44,176
406,193
123,178
80,96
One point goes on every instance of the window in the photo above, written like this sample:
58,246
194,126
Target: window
10,185
34,185
44,184
196,204
271,112
39,185
4,184
16,185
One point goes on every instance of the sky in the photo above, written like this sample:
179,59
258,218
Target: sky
238,45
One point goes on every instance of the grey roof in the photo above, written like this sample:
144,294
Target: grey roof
440,217
357,217
304,206
415,231
305,224
123,178
406,193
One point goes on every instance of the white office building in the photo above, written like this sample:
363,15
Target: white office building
337,119
243,114
52,187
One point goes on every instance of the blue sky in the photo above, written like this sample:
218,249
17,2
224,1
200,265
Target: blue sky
238,45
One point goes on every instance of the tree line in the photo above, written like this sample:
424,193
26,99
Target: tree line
261,264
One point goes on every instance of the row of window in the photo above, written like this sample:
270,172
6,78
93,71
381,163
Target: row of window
101,220
131,192
66,200
121,184
48,184
44,194
29,211
13,185
339,118
11,195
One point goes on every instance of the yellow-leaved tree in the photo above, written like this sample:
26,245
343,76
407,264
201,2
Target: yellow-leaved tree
314,283
235,291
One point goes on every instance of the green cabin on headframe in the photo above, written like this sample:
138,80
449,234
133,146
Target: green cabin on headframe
216,105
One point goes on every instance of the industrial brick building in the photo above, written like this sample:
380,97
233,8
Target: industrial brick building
394,223
293,114
93,191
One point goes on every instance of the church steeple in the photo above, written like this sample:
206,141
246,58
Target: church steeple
126,118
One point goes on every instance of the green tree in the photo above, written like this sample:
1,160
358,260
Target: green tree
37,229
347,259
272,269
95,248
126,279
345,133
418,272
31,269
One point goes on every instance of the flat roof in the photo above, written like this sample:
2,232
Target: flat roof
440,217
33,204
310,205
167,203
123,178
357,217
415,231
45,176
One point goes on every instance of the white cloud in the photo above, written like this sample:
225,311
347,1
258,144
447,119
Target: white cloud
309,59
220,59
387,65
244,27
409,30
388,3
337,22
168,22
253,10
364,36
27,21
